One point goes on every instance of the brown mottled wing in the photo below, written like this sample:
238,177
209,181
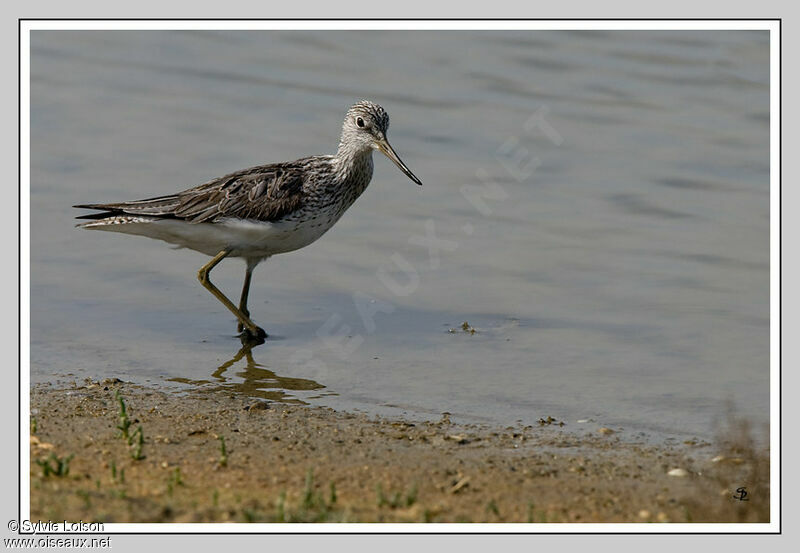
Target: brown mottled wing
265,193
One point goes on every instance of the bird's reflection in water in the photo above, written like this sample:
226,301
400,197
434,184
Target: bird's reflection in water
254,380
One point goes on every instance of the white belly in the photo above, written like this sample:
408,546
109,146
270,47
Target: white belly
244,238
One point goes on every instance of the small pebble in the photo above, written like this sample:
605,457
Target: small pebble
644,513
605,431
458,438
678,472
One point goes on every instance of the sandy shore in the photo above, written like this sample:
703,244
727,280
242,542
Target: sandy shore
295,463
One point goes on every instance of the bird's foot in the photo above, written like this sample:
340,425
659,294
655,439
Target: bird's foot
257,334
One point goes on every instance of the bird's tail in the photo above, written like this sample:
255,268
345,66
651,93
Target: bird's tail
139,211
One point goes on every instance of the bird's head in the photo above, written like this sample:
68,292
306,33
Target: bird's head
365,128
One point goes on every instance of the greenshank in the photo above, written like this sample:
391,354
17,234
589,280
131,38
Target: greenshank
262,211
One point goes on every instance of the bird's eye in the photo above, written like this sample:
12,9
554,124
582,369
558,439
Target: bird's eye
360,122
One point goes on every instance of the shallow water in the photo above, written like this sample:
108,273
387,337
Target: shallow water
618,269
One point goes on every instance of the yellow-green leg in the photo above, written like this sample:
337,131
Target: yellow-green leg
244,319
245,292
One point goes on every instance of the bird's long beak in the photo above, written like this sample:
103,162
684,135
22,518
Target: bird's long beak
386,148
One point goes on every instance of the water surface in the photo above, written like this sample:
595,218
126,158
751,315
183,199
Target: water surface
617,271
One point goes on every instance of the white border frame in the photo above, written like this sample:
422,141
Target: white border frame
26,26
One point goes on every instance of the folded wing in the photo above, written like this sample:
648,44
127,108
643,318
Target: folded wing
264,193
